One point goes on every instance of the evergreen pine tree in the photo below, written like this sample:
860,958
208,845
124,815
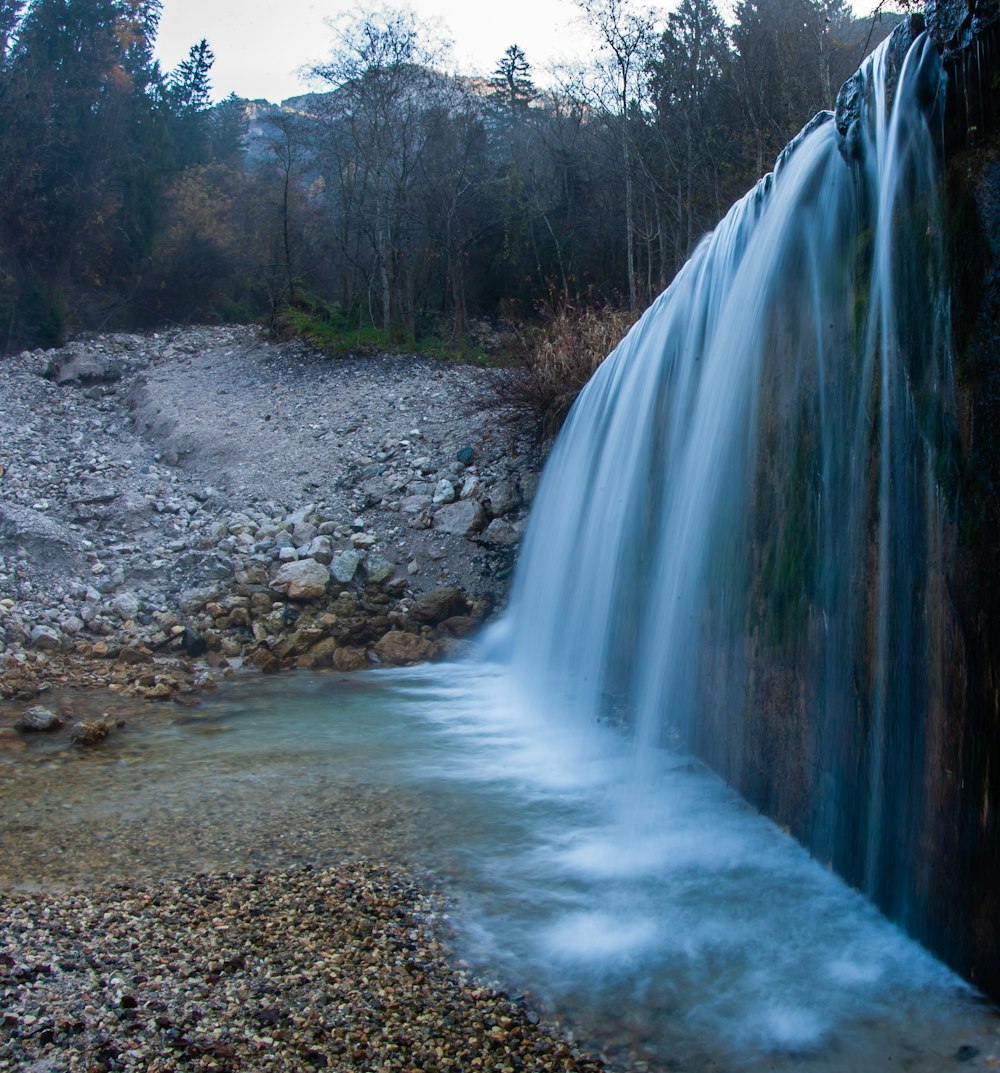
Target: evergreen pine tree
511,86
189,90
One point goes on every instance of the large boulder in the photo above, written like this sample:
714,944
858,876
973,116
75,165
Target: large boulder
350,658
303,580
298,643
444,491
39,720
345,565
303,533
462,518
44,539
89,732
319,548
82,368
126,605
460,626
378,569
504,496
266,661
46,638
502,532
414,504
399,649
319,656
438,604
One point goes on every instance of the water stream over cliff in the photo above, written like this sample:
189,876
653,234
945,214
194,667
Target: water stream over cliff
737,542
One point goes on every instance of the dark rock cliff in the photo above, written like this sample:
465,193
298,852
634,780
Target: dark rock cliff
904,804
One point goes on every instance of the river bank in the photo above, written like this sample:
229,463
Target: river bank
166,907
180,506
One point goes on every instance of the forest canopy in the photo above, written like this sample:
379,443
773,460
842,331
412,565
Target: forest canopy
400,200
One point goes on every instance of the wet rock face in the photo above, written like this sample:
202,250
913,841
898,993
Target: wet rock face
965,794
937,872
945,19
953,24
853,98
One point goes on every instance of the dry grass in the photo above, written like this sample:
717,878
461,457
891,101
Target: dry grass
560,356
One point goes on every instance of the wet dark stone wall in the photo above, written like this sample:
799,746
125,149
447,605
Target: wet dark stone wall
805,752
965,926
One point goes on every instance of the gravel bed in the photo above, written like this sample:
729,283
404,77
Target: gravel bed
249,927
303,969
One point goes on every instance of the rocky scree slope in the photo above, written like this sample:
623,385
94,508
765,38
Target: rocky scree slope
204,494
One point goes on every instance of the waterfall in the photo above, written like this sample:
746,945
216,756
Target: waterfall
736,542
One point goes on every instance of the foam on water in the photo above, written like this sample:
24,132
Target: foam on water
600,938
692,904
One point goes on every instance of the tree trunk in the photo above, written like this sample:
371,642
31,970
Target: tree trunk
633,303
286,235
384,252
457,295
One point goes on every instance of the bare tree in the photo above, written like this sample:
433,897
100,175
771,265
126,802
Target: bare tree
286,149
625,36
382,75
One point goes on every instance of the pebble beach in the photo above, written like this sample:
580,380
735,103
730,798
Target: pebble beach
332,968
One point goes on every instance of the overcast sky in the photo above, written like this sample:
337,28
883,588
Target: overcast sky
260,45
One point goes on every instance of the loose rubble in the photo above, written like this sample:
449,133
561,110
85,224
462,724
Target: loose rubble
177,506
294,970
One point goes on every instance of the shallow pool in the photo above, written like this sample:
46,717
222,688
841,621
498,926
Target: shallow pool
638,900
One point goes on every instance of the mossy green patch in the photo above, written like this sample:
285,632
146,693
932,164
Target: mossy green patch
325,327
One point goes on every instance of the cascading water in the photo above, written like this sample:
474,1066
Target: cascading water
736,542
